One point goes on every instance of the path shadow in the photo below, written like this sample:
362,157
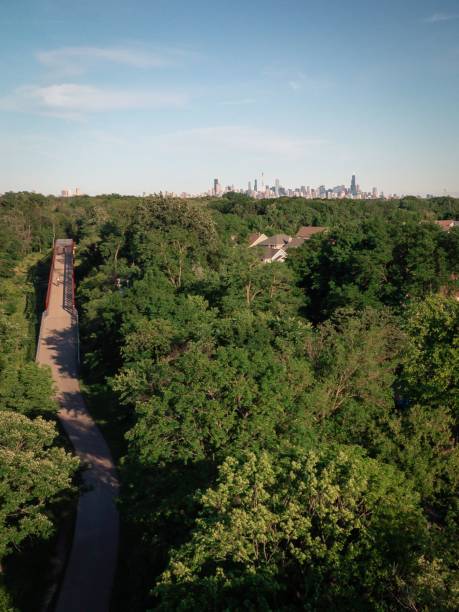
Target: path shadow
38,277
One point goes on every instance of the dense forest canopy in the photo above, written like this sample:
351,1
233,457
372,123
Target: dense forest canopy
289,430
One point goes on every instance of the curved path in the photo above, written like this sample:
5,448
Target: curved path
88,578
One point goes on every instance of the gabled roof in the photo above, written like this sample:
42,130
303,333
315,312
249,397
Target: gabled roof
255,239
281,239
306,231
268,254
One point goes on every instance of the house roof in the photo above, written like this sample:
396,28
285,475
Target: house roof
447,224
281,239
255,238
295,243
306,231
269,254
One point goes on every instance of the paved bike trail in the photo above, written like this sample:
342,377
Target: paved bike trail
88,579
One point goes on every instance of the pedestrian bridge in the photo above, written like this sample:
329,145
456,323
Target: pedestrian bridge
88,579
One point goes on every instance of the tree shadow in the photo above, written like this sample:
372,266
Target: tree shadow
63,347
89,444
158,509
37,276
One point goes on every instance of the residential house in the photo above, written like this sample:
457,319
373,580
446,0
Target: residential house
447,224
274,248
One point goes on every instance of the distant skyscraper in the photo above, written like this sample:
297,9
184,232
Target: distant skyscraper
249,186
77,191
276,188
353,186
217,187
255,185
65,193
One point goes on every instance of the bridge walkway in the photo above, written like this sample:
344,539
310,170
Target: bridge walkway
90,570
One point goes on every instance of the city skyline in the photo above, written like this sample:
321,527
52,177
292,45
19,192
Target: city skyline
259,188
276,189
89,96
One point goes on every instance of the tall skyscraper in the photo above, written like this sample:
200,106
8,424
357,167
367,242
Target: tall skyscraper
217,188
353,186
276,188
255,185
249,186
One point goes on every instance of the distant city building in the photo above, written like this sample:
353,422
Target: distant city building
217,187
77,191
65,193
278,191
353,186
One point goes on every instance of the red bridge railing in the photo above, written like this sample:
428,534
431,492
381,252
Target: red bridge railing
50,279
73,275
64,245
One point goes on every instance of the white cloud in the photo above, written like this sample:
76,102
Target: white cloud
77,60
308,82
240,139
241,102
296,79
73,101
437,17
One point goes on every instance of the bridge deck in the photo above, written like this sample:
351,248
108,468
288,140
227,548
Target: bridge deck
90,570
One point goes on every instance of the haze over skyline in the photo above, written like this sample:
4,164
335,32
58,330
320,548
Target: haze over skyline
118,96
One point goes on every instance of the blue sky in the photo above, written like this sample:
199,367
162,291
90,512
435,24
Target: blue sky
148,95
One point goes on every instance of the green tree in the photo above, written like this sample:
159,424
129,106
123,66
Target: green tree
317,531
431,361
354,357
32,474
